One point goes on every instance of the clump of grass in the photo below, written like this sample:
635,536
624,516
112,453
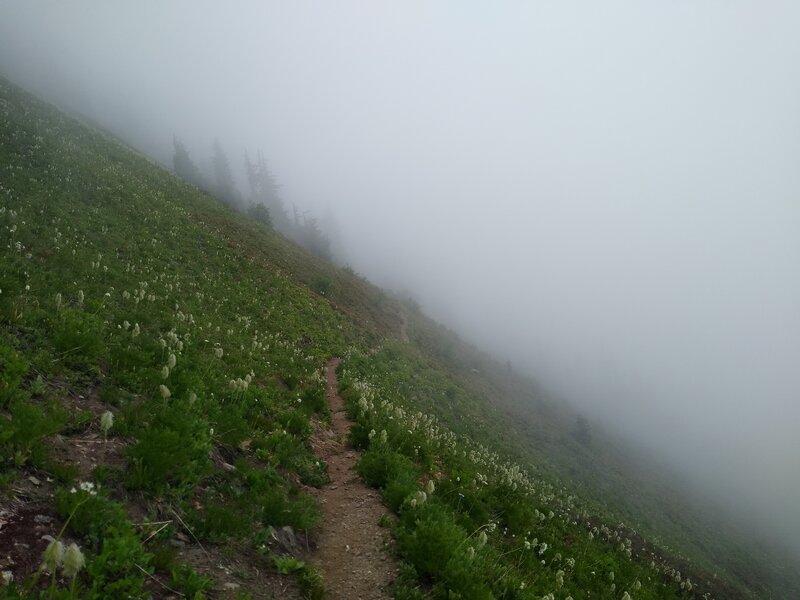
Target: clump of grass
14,367
171,452
117,562
22,431
309,578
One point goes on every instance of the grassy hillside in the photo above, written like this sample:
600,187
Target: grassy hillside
161,375
612,478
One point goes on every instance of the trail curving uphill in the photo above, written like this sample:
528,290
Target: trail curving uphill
351,547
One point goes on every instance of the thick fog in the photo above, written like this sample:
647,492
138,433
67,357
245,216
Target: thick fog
605,193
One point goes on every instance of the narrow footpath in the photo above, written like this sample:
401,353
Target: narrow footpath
351,547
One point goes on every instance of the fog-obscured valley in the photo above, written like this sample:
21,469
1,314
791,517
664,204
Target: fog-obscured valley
603,196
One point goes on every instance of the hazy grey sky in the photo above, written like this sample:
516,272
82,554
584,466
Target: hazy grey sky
607,193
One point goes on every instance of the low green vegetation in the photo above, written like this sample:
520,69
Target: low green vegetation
120,293
474,525
182,345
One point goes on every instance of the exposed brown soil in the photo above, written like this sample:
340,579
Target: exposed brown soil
22,538
351,549
27,518
235,572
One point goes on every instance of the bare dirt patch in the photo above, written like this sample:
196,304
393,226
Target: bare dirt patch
351,549
27,515
235,572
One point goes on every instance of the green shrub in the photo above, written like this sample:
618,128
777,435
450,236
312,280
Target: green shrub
22,431
279,508
78,337
380,465
219,520
90,514
322,285
13,367
190,583
432,540
172,452
295,422
313,400
309,579
115,572
117,558
439,549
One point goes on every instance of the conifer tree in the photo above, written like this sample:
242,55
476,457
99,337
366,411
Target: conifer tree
265,190
183,165
310,236
225,188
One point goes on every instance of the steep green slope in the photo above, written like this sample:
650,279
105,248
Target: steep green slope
124,289
612,478
127,291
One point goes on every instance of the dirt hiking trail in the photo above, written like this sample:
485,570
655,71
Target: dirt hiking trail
351,547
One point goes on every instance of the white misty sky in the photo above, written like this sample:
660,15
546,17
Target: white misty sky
607,193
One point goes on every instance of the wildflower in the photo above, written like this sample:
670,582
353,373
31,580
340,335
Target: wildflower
106,421
80,296
372,434
58,300
430,487
53,556
165,372
126,325
560,579
74,561
165,393
470,553
542,548
218,352
136,331
171,361
88,487
384,436
482,538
